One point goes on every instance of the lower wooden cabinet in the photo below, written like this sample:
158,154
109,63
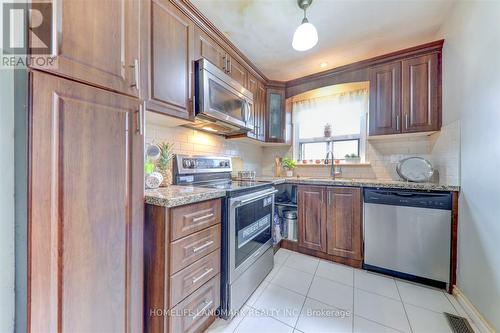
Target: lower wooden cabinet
312,217
86,214
329,223
182,267
343,226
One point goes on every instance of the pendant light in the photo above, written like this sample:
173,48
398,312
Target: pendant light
306,35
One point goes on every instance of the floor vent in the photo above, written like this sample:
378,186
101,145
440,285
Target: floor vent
458,324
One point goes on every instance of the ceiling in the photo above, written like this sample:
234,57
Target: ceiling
349,30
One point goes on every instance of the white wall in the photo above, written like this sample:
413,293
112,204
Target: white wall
6,200
471,94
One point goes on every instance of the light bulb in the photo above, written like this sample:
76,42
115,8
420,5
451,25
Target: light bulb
305,37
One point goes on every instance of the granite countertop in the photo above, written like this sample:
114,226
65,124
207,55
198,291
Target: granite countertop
361,183
174,195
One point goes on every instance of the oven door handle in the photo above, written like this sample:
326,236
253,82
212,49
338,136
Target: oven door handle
244,202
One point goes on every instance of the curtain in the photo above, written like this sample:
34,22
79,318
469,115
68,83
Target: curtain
343,111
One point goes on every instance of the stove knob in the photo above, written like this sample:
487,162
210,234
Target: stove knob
189,164
222,164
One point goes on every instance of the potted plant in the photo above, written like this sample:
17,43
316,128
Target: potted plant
164,163
289,165
352,158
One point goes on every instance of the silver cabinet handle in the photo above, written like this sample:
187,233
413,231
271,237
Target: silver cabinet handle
397,122
196,249
135,66
207,303
229,65
196,219
198,278
140,120
406,121
224,63
242,202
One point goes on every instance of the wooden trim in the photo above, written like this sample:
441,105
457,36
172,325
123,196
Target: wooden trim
454,241
435,46
294,246
472,312
202,21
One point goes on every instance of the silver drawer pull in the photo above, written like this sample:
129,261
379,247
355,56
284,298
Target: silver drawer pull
196,249
207,305
196,219
198,278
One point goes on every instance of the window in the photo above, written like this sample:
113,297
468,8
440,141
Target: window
344,110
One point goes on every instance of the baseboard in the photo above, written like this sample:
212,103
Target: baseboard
478,319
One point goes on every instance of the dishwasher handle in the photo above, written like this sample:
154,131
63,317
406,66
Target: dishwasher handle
431,200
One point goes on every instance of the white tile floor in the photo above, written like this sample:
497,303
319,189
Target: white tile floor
306,294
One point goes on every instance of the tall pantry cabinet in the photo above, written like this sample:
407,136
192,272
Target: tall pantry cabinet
86,142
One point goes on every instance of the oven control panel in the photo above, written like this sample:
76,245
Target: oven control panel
202,164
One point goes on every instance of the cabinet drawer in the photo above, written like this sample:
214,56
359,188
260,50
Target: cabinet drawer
196,312
187,250
192,277
191,218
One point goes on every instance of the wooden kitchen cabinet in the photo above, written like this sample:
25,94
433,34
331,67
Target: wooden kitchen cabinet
275,115
97,42
405,96
87,209
312,217
421,94
236,71
261,106
343,216
385,99
206,47
167,59
182,266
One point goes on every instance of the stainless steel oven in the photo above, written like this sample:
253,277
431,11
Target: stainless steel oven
222,105
250,244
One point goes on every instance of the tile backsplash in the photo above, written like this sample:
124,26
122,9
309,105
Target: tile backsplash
245,156
441,148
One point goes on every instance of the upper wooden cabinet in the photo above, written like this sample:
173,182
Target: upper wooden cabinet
206,47
167,61
97,42
421,94
86,222
385,99
312,217
405,96
236,71
344,236
276,115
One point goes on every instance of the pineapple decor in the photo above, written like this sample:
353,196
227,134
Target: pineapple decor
164,165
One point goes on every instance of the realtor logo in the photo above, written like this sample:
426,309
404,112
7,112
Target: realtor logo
27,34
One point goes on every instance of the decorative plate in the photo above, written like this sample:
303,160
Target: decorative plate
415,169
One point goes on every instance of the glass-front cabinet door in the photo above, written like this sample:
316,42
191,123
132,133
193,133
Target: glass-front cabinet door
275,115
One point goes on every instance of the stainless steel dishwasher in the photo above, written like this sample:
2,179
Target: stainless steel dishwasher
408,234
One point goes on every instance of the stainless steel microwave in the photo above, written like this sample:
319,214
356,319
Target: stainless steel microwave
222,105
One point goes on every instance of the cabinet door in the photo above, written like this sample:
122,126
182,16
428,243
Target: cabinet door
97,42
253,87
237,71
344,222
385,99
311,217
262,113
275,115
421,94
206,47
170,53
86,217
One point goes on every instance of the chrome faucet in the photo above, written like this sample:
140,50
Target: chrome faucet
332,168
333,172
